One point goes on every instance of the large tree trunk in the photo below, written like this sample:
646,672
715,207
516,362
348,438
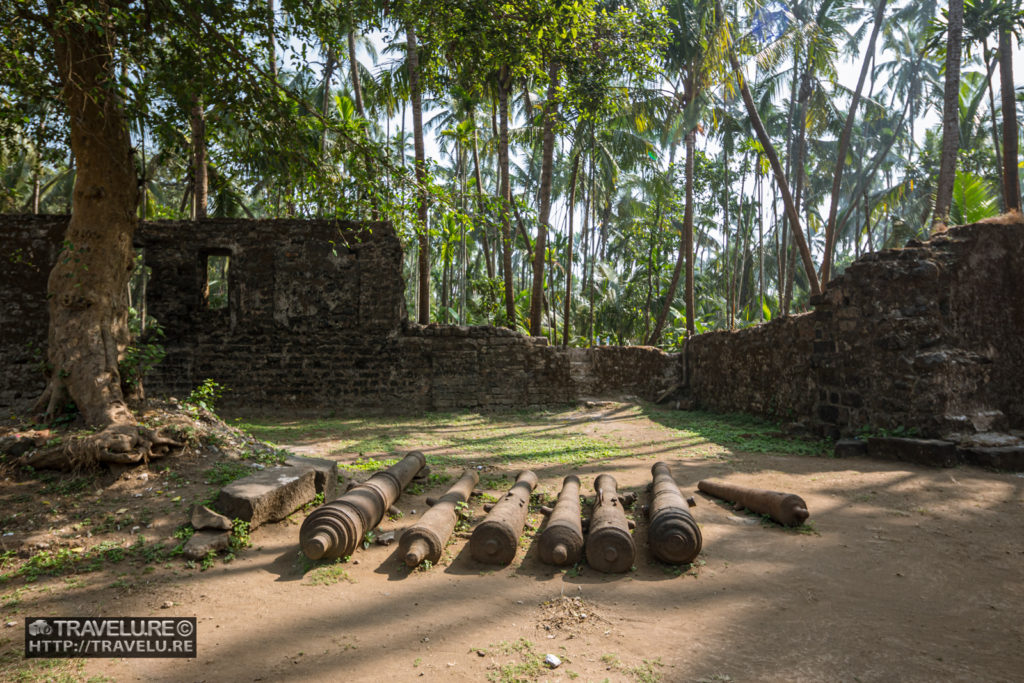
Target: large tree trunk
546,164
504,83
950,114
1011,180
482,219
773,159
87,288
200,184
421,175
844,144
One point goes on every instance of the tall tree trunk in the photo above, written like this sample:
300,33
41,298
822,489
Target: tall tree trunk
325,101
544,215
483,221
566,323
422,211
844,143
87,288
950,114
271,46
504,83
1011,179
357,88
992,118
685,253
773,159
200,184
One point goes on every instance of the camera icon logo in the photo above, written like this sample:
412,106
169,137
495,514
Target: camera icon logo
40,627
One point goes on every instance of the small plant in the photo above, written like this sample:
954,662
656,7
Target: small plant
368,538
225,472
329,574
425,566
205,395
208,561
463,515
239,535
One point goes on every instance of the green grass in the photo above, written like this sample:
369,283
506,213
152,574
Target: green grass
736,431
524,437
529,665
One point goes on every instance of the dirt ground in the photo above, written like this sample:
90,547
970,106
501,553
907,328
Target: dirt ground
902,574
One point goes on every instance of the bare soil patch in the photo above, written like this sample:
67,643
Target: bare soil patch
904,573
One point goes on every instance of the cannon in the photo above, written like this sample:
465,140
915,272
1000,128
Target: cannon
335,529
496,539
673,534
426,539
610,546
561,544
787,509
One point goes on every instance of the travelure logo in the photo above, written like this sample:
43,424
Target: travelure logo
40,627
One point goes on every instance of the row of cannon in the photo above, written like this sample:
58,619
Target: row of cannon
335,529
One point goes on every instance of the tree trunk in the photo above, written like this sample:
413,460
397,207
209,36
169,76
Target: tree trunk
481,214
88,286
200,183
325,101
357,88
1011,179
271,47
421,175
566,324
992,118
950,114
504,83
685,253
773,159
844,143
544,215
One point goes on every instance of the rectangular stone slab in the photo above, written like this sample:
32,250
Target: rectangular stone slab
325,472
1006,458
269,495
930,452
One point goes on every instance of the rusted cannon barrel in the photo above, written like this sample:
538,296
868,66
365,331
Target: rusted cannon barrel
562,541
335,529
673,535
496,539
787,509
426,539
610,546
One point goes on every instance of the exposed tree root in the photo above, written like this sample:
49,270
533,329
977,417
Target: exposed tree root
122,444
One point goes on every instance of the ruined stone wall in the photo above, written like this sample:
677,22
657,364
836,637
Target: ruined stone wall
315,317
926,337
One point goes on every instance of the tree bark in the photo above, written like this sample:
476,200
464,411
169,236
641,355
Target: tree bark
544,215
504,83
325,101
87,288
422,211
200,183
483,222
773,159
844,144
950,114
1011,179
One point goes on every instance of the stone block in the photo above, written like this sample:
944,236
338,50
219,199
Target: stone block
268,496
205,518
851,448
203,542
930,452
325,473
1006,458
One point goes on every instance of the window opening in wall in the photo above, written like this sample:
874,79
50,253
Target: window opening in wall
216,291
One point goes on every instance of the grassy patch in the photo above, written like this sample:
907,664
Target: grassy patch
328,574
736,431
527,665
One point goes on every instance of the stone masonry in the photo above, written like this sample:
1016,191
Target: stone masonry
929,337
315,318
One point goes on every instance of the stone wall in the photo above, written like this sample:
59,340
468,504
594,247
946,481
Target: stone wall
926,337
315,317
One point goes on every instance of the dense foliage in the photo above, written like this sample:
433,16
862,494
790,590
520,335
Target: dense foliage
303,109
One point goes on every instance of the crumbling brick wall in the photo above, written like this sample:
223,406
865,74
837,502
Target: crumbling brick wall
926,337
315,317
